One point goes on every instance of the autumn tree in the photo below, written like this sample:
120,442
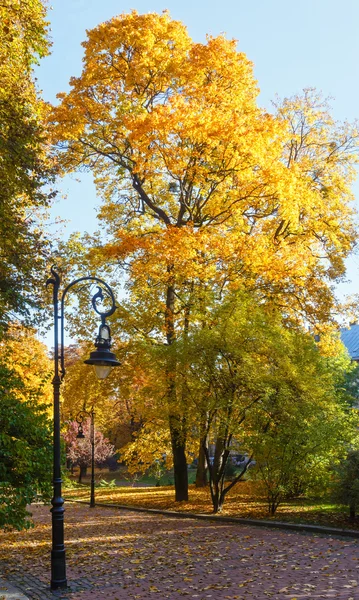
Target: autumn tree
78,451
30,360
203,191
24,168
118,414
25,442
81,388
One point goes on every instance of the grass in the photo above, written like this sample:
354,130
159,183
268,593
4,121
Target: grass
145,479
244,500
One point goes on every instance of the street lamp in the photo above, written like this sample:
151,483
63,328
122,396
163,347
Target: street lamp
101,358
80,417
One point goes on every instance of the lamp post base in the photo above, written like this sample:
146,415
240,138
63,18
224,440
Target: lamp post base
58,554
58,568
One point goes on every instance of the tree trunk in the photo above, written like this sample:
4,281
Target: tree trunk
217,470
176,422
217,498
201,473
179,461
83,471
273,503
352,511
216,487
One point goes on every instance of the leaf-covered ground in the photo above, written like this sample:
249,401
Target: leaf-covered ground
239,503
119,554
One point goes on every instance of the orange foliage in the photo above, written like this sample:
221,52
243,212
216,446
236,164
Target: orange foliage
199,184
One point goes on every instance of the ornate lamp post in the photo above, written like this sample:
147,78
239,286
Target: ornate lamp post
102,359
80,417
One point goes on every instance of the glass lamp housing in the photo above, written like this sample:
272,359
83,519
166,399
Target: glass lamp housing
104,334
102,358
102,371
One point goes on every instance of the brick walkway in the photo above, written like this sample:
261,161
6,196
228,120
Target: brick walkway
119,554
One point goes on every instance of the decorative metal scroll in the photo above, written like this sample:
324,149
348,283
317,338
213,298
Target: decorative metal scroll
98,296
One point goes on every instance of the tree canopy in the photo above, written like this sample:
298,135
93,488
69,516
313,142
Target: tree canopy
247,384
199,184
24,167
204,193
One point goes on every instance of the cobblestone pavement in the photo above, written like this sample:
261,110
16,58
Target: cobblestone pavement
9,592
120,554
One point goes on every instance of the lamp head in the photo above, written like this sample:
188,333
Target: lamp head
80,433
102,358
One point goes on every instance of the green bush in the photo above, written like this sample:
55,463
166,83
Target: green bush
345,488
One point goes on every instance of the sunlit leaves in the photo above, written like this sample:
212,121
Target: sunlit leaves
204,193
24,168
29,359
194,175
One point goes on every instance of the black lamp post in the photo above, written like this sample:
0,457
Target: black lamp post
103,360
80,417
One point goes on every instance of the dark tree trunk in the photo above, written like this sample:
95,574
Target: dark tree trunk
83,472
273,503
176,421
179,460
217,501
177,429
352,511
217,480
201,474
217,468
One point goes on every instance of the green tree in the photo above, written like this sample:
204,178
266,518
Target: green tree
225,369
25,450
256,386
346,484
308,423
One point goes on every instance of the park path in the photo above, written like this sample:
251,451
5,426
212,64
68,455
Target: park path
119,554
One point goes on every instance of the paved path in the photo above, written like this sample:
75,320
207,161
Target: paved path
118,555
9,592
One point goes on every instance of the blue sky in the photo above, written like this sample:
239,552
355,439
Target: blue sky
310,43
